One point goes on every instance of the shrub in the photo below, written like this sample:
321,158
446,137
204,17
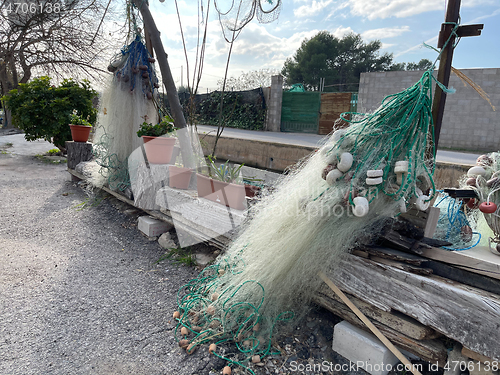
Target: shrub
235,114
165,126
43,111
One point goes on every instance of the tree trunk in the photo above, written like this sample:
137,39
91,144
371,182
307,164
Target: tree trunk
168,81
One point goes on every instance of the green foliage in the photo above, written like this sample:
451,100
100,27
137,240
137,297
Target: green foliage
236,114
224,172
165,126
78,120
43,111
423,64
180,256
339,61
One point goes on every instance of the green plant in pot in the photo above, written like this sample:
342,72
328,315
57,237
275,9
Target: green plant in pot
80,128
223,185
158,147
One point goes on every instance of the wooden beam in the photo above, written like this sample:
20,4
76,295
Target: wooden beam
427,349
444,71
397,321
468,315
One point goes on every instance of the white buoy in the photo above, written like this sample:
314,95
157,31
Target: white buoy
374,181
361,206
333,176
346,161
476,171
421,203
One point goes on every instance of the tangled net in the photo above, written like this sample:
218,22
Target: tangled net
234,15
484,179
337,198
455,226
127,101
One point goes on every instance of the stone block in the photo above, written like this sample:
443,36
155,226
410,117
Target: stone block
152,227
455,358
362,348
166,241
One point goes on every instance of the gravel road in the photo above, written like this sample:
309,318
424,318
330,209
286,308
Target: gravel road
80,292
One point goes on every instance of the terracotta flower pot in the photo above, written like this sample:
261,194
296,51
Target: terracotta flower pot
204,185
178,177
80,133
251,190
158,149
227,194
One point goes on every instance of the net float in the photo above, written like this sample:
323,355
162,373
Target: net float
476,171
487,207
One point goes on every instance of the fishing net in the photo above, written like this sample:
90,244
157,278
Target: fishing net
484,179
127,101
234,15
454,225
337,198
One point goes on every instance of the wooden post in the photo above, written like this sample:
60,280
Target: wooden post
452,14
444,71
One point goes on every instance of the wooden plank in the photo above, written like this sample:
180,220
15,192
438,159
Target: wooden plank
395,320
468,315
402,266
455,273
475,356
465,260
400,256
221,242
429,350
457,258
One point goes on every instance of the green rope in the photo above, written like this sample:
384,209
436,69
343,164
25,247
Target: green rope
222,319
112,168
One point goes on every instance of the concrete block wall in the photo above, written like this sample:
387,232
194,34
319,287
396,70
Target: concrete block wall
469,122
274,98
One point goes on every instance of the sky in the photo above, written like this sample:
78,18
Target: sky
401,25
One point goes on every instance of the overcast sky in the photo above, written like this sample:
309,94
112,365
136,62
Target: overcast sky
401,25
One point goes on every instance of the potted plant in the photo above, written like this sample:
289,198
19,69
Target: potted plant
80,128
179,177
158,148
224,185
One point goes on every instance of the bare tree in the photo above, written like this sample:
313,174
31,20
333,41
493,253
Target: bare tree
60,38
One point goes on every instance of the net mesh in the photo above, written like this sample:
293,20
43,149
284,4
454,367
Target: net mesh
269,273
127,101
486,184
234,15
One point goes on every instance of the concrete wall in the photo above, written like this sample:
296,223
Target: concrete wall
259,154
469,122
273,101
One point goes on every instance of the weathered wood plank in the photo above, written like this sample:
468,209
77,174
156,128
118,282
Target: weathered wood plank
473,264
405,267
429,350
395,320
465,314
455,273
475,356
384,252
221,242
